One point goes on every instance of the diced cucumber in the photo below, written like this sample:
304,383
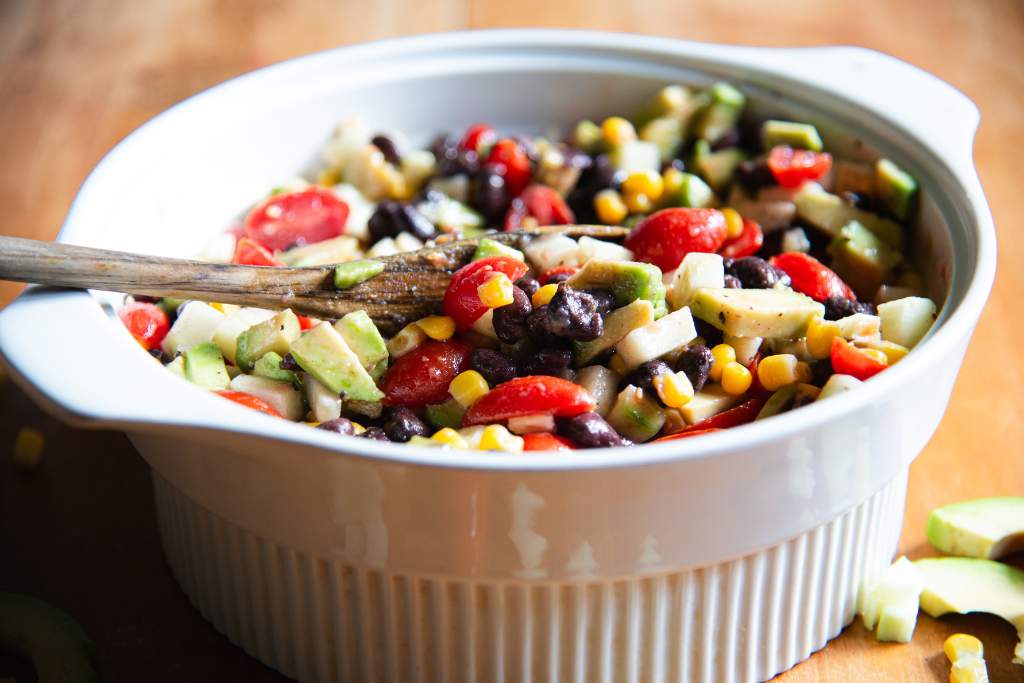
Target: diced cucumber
323,403
177,366
359,210
708,402
617,325
798,135
281,396
697,270
666,133
551,251
694,193
590,248
602,385
838,384
717,168
195,325
906,321
655,339
896,188
779,402
746,347
672,101
638,155
275,334
447,414
636,416
445,208
861,258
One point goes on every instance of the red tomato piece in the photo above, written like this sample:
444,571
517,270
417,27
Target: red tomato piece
847,359
756,389
422,376
461,299
541,203
536,394
812,277
792,167
479,135
687,433
747,244
249,252
517,173
297,218
665,237
147,323
545,441
307,323
557,270
734,417
249,401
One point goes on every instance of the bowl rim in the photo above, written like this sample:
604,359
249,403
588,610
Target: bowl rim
940,342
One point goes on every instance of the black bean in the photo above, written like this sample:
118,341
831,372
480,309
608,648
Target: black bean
604,300
495,366
375,433
821,370
644,375
386,220
557,278
528,285
730,139
573,314
599,175
695,362
754,175
590,430
387,147
837,307
451,159
708,332
733,282
510,320
288,363
752,272
341,425
521,350
489,195
416,223
552,361
402,424
156,353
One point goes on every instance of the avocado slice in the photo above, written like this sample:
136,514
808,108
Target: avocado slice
447,414
720,115
204,366
275,334
968,584
626,280
666,133
55,644
896,188
352,273
717,168
486,248
861,258
769,313
269,366
890,602
617,325
985,527
636,416
323,353
830,214
791,133
226,334
693,193
363,337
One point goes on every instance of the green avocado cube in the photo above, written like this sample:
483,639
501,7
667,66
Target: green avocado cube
275,334
861,258
768,313
717,168
694,193
269,366
721,113
363,337
666,133
635,415
204,366
323,353
488,247
830,214
672,101
626,280
447,414
896,188
617,325
797,135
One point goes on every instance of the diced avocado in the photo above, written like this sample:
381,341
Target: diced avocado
323,353
350,274
378,370
967,584
444,210
696,271
275,334
170,305
797,135
447,414
602,384
666,133
204,366
587,136
626,280
770,313
269,366
226,334
985,527
488,247
717,168
721,113
636,416
861,258
673,101
638,155
363,337
896,188
54,643
830,213
177,366
324,404
693,193
656,339
335,250
906,321
617,325
708,402
890,602
779,402
282,396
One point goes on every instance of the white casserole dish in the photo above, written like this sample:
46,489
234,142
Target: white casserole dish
725,558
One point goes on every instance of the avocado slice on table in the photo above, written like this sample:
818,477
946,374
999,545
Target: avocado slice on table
204,366
324,354
985,527
890,602
55,644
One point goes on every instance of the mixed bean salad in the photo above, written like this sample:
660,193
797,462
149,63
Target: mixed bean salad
759,275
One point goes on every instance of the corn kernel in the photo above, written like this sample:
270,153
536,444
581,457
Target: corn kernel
439,327
609,207
217,306
967,657
736,379
28,449
617,365
820,334
723,354
357,428
328,177
893,351
637,202
674,389
671,180
450,437
876,354
497,438
775,372
733,223
647,183
617,131
496,291
544,295
468,387
407,339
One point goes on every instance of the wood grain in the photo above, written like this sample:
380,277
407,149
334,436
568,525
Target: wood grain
77,76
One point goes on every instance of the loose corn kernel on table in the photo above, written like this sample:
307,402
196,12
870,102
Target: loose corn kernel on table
80,530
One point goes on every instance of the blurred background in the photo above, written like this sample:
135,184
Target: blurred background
75,77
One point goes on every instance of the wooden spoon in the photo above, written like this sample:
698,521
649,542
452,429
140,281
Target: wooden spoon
411,286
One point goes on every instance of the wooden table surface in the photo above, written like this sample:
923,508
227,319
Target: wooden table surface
77,76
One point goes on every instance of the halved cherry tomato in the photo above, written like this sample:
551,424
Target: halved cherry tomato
249,401
812,277
792,167
307,323
422,376
461,299
557,270
477,136
541,203
665,237
734,417
146,321
546,441
847,359
249,252
297,218
517,172
747,244
532,395
687,433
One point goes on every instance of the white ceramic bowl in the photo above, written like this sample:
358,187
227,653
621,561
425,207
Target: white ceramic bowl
725,558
